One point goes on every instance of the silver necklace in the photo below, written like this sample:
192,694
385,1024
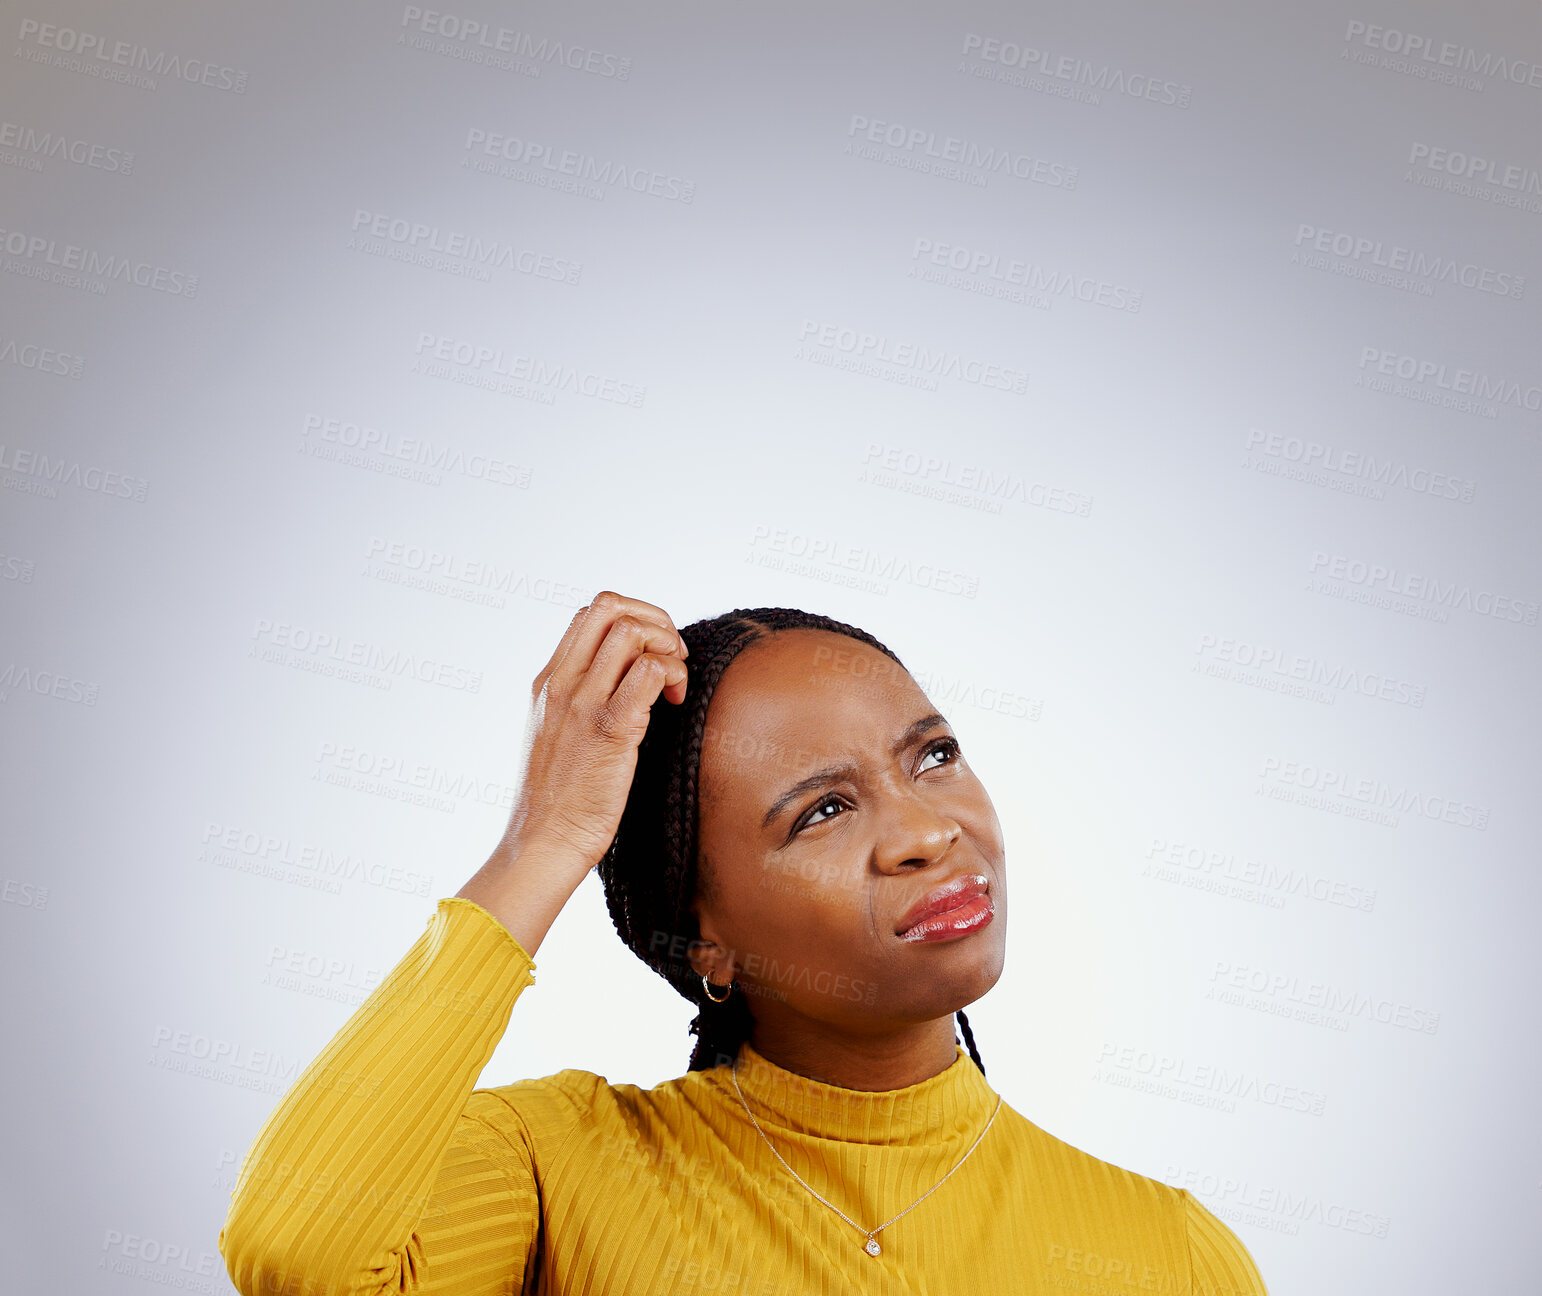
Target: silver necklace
871,1245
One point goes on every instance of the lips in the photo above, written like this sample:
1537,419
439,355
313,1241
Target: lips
950,895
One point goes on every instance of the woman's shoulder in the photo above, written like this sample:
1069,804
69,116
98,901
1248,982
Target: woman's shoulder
1071,1164
554,1104
1134,1204
1053,1164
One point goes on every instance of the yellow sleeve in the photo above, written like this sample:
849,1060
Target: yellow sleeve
380,1170
1219,1263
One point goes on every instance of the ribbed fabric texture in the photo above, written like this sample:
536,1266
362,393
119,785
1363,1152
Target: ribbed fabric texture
383,1169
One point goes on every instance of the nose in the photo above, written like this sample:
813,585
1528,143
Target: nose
914,832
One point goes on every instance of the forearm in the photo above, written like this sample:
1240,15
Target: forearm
524,893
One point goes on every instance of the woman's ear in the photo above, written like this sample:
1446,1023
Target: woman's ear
709,958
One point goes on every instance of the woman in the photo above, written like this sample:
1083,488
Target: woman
798,846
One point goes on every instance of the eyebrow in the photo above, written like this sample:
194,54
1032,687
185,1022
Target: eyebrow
829,774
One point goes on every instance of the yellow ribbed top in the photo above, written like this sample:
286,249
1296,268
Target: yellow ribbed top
383,1169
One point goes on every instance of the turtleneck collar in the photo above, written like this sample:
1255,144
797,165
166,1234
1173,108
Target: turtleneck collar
953,1104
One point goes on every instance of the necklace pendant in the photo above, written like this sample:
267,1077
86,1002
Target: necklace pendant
872,1247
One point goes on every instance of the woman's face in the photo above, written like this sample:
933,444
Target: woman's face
832,797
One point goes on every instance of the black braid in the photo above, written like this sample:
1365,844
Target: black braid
969,1040
650,870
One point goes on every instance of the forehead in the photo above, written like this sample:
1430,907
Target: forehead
797,699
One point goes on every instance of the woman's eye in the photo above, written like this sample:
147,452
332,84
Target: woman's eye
812,817
949,745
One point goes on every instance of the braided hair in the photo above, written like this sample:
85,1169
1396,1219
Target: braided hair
649,871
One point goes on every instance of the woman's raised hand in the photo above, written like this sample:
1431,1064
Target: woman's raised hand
589,711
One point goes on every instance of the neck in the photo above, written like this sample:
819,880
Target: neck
894,1060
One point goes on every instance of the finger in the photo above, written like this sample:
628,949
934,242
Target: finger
602,614
640,687
628,639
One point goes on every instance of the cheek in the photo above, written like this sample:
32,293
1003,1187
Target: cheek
807,905
816,890
982,821
818,954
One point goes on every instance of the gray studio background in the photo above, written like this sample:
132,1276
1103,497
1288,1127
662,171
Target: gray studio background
1160,382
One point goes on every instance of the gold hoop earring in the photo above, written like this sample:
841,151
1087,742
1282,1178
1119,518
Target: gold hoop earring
706,987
